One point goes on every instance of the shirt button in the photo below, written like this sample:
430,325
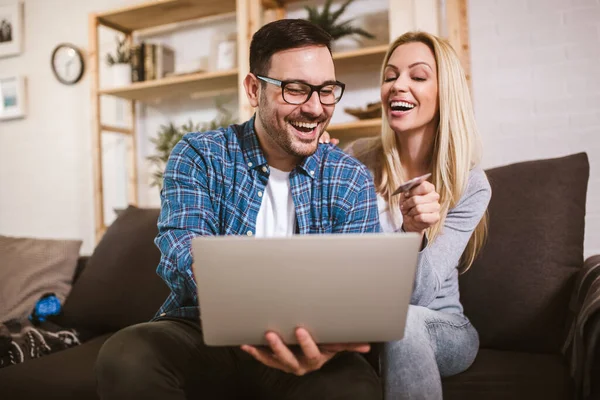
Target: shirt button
163,314
264,169
259,194
249,233
250,164
312,172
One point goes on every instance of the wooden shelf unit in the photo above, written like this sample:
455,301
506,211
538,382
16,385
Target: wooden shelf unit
202,84
270,4
250,15
163,12
355,129
365,58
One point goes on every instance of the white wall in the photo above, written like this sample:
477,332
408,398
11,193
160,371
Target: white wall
45,166
536,91
536,84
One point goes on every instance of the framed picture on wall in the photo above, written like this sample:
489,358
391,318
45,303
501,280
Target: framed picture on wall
11,29
12,97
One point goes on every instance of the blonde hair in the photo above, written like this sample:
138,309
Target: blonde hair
456,148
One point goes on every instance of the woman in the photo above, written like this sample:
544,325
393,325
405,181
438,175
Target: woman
429,127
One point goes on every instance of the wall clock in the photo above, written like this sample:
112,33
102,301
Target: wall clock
67,63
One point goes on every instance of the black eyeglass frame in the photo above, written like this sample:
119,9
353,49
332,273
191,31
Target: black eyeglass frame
313,88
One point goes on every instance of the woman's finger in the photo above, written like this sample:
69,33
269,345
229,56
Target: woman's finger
424,208
421,189
325,138
427,220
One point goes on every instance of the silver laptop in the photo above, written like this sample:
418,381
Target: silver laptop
342,288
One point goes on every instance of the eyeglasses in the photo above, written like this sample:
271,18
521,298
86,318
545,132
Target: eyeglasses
295,92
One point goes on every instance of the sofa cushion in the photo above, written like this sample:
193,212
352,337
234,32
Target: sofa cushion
119,285
68,374
500,375
30,268
517,292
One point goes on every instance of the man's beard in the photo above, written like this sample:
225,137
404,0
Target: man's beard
284,139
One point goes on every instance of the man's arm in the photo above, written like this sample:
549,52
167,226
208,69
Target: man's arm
360,206
186,212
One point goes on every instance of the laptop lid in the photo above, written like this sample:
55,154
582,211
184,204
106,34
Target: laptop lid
341,287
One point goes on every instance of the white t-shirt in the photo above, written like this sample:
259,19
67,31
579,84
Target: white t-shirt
277,215
388,224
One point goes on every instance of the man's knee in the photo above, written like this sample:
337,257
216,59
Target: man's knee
126,359
364,389
356,379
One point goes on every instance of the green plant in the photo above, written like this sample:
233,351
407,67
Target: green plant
328,20
122,54
169,135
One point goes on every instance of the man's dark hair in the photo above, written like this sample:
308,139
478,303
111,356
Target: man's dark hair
281,35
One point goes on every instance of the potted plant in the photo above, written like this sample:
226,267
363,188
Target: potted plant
328,20
120,63
169,135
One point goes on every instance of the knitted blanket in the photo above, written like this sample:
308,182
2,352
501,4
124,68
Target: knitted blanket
580,346
21,341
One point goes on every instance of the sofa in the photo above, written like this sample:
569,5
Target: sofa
523,294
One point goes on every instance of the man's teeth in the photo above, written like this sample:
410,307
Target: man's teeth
402,104
306,125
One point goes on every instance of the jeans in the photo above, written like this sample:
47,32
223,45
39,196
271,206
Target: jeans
167,359
435,345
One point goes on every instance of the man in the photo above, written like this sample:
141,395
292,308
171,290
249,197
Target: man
265,177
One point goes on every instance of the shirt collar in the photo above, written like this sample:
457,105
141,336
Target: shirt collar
251,147
255,158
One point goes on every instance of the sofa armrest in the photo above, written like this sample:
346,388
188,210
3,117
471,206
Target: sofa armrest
584,334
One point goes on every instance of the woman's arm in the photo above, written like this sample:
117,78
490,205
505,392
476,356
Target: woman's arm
439,258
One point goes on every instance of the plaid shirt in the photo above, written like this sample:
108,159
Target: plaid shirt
211,186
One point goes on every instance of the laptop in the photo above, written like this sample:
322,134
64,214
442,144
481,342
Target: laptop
343,288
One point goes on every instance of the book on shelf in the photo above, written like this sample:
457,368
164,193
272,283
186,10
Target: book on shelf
137,62
151,61
165,60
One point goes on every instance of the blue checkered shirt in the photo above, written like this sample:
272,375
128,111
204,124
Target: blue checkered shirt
211,186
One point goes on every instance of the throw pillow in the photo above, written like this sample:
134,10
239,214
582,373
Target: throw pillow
119,285
517,293
30,268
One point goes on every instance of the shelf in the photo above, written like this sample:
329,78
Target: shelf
202,84
162,12
360,58
355,129
269,4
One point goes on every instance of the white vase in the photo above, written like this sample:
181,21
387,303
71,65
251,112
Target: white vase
226,55
121,74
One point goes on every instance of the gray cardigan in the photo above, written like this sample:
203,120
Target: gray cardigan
436,281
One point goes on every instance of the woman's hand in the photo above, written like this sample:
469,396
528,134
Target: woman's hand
326,138
420,208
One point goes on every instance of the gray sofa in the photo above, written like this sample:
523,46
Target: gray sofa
518,294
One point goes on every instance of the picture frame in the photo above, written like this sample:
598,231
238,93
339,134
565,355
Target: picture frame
11,29
13,100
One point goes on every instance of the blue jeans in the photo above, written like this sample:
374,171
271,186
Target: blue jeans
435,345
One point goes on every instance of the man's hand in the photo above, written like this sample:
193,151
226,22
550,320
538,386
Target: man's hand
313,357
326,138
420,208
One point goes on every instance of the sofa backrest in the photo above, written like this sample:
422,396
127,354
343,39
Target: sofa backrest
119,285
518,290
